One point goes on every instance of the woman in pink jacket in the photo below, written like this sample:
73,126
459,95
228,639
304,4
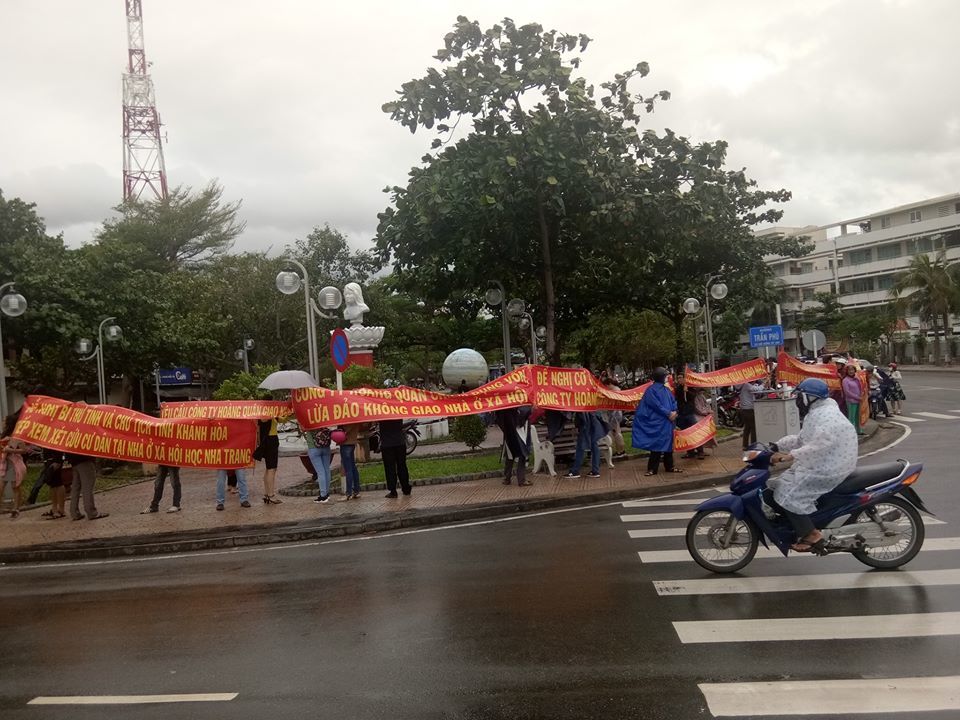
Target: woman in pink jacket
852,392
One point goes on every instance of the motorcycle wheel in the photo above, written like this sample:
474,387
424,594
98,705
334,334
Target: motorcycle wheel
736,419
705,532
893,556
410,438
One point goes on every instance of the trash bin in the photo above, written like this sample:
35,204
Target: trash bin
775,418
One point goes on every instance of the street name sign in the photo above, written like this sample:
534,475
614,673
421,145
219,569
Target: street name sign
766,336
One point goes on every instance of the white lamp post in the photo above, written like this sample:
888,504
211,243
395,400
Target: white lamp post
84,346
289,283
241,354
13,304
691,306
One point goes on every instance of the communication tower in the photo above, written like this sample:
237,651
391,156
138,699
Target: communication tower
143,168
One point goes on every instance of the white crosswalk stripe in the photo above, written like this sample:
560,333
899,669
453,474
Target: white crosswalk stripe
819,628
657,532
833,697
807,583
665,556
664,503
654,517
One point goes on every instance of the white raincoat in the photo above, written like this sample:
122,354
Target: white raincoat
824,453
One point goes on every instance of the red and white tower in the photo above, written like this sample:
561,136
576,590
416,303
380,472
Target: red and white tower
143,168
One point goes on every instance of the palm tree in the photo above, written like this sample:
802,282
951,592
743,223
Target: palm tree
929,288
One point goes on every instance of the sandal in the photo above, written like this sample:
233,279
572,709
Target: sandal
817,548
649,474
676,470
47,514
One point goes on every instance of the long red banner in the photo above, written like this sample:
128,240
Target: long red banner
235,409
117,433
745,372
694,436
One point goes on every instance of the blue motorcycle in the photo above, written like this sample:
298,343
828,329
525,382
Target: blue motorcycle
873,515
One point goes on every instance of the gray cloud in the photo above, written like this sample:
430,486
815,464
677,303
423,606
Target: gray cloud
848,103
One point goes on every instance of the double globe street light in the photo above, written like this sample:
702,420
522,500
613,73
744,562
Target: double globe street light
242,353
289,283
691,306
12,304
85,347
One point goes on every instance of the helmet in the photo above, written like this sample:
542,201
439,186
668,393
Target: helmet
893,366
808,392
816,388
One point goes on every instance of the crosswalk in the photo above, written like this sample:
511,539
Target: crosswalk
700,617
919,416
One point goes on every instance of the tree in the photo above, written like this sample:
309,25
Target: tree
245,385
930,289
326,253
182,229
556,193
629,338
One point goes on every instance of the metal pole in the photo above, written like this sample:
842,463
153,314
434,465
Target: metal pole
533,341
710,360
101,366
507,365
156,373
246,362
3,369
311,330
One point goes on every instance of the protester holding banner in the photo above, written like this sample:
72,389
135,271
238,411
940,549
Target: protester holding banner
513,423
589,431
241,474
84,480
158,482
613,418
393,450
653,423
692,407
318,450
348,461
748,395
12,467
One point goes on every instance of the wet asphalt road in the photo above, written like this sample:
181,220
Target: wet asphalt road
550,616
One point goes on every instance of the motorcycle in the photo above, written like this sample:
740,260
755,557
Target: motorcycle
411,436
874,515
728,410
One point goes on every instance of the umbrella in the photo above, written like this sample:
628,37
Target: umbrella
287,380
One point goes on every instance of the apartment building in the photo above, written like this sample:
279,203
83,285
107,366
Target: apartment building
859,259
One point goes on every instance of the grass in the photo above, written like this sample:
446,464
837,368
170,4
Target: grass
422,468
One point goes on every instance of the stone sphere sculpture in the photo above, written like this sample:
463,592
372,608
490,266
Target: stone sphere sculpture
465,365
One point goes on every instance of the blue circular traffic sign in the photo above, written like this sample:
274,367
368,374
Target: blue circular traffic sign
339,350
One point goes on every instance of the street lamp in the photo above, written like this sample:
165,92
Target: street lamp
84,346
525,322
288,282
498,296
241,354
13,304
691,306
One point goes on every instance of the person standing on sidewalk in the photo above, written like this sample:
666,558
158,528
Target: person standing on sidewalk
84,480
852,393
748,395
393,450
653,423
158,481
348,460
269,452
241,474
896,391
516,442
318,449
589,431
613,418
12,467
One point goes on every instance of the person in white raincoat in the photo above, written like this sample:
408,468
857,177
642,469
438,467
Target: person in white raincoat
823,454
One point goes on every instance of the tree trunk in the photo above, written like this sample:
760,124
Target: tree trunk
937,358
549,296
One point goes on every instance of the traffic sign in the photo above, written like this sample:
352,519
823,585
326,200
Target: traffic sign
813,340
339,350
766,336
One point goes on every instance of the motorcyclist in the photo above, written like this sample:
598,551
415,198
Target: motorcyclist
823,454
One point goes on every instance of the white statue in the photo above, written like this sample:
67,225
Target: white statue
354,307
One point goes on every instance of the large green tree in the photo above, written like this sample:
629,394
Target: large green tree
556,193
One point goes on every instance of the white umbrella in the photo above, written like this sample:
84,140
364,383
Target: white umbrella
287,380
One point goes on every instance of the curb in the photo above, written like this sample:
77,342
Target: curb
237,537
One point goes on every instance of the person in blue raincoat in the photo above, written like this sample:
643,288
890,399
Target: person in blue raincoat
653,423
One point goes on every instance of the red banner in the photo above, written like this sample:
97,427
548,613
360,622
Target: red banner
572,389
734,375
694,436
794,371
117,433
228,409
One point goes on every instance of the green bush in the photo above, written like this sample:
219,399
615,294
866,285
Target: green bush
470,430
243,385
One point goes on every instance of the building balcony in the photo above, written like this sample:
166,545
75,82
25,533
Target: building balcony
880,236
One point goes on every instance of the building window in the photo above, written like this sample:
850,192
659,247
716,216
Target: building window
808,293
943,211
860,285
924,244
888,252
953,239
884,222
806,267
858,257
885,282
915,216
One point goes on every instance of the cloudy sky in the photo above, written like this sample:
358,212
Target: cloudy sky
850,104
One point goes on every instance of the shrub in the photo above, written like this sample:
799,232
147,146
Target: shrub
469,430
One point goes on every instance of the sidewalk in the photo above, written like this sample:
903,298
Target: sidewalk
200,527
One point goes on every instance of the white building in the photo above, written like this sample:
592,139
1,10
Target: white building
859,259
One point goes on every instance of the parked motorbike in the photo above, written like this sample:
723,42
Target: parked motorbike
728,410
411,436
874,515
